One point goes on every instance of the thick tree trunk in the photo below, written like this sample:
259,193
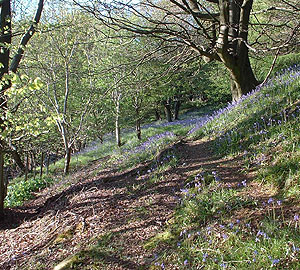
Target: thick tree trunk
168,112
232,45
17,159
243,79
176,109
67,160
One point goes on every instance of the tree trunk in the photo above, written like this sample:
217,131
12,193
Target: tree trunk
138,123
32,158
2,183
118,132
67,160
157,115
42,164
48,163
168,112
5,41
176,109
100,137
117,124
138,129
26,167
243,79
17,159
232,48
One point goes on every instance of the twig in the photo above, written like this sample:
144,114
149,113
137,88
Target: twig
271,68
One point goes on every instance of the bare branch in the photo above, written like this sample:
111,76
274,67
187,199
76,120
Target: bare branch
274,8
31,30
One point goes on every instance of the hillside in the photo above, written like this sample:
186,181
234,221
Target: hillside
223,194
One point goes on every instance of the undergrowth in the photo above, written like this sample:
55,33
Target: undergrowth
22,190
130,154
205,233
218,225
263,128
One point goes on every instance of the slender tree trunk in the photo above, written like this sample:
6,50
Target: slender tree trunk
100,137
138,129
5,41
48,163
32,163
168,112
2,183
176,109
118,132
33,168
157,115
56,156
67,160
79,146
42,164
138,123
26,167
117,124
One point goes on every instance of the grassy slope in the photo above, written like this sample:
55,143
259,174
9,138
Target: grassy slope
263,129
154,138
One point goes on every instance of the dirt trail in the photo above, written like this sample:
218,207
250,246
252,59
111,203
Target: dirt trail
110,206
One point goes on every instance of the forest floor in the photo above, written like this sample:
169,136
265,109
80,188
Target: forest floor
107,218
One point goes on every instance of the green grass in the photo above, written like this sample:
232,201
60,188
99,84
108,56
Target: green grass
21,190
127,156
219,226
205,234
264,129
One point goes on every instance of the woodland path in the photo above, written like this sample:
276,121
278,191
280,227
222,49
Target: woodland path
108,206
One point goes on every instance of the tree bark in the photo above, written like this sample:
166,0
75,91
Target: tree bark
100,137
32,160
117,124
26,37
42,164
26,167
2,184
176,109
157,115
5,41
168,112
232,48
17,159
138,129
67,160
243,81
48,163
118,132
138,123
